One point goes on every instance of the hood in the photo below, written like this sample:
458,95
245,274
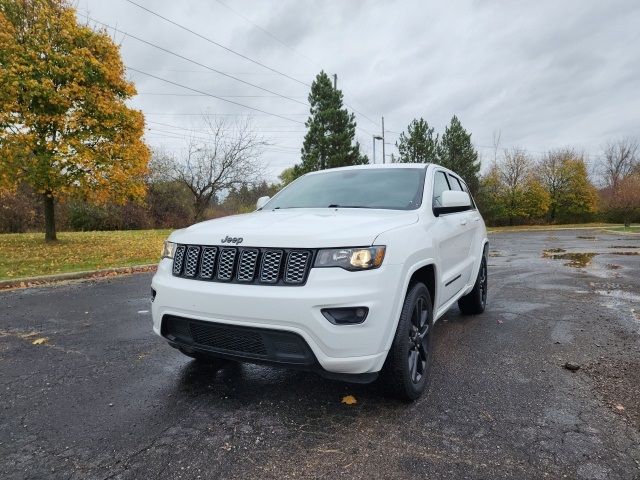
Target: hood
298,228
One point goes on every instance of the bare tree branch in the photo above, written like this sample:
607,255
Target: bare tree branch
228,158
621,158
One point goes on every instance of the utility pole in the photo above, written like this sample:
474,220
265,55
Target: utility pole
383,143
335,81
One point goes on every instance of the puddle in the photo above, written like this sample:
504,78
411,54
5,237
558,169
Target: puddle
552,250
586,238
623,253
624,246
576,260
612,266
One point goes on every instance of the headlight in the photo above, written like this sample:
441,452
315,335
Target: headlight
351,258
168,249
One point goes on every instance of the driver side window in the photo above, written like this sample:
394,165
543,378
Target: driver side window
440,184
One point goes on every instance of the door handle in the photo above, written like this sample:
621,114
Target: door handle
463,221
476,219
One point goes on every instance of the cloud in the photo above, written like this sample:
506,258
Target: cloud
545,74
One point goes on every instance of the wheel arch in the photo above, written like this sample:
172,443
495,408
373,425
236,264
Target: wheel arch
427,275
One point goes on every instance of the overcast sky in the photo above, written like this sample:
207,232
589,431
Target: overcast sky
545,74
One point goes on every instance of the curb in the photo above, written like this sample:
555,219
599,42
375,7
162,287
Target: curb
27,282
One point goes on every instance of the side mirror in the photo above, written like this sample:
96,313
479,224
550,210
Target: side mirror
451,202
262,201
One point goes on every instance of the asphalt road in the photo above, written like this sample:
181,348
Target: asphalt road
104,398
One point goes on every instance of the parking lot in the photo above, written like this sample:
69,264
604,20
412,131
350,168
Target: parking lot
102,397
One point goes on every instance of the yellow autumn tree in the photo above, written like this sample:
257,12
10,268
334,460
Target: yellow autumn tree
65,128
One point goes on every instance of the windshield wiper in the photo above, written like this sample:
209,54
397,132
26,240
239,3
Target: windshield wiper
335,205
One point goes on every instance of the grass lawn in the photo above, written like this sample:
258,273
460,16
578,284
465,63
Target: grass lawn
608,226
631,229
27,254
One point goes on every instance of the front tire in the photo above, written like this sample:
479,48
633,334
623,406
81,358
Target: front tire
475,301
408,366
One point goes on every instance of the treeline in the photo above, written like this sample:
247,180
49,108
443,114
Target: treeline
519,188
166,205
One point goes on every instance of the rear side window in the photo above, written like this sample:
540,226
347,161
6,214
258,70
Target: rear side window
455,183
440,184
465,189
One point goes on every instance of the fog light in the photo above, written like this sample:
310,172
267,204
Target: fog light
345,315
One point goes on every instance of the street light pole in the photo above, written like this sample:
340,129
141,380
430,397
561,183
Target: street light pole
374,149
377,137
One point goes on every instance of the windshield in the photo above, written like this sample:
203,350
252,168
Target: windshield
387,188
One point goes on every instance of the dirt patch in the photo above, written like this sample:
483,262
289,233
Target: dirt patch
612,266
618,383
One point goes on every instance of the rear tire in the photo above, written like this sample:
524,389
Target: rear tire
407,369
475,301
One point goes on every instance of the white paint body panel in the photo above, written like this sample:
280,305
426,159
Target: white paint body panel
452,243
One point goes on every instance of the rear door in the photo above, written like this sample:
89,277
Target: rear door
476,226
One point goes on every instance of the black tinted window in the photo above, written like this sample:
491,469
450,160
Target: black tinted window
455,184
440,184
386,188
466,189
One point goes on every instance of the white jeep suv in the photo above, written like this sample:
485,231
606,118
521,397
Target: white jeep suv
343,272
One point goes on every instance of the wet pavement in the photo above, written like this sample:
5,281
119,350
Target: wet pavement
101,397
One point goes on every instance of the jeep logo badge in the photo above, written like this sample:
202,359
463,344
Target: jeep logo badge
234,240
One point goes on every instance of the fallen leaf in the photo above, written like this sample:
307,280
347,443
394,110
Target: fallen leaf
500,321
40,341
349,400
620,408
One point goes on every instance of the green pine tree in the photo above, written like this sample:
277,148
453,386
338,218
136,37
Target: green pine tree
456,152
330,139
418,145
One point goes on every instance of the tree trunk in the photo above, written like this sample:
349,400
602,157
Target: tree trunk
49,218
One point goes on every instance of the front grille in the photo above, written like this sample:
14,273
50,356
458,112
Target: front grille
266,266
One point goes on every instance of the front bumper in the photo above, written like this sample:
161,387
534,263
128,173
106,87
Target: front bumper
344,349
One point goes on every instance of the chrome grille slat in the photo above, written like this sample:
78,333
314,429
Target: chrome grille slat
270,266
262,266
247,265
178,258
297,262
226,263
191,261
207,262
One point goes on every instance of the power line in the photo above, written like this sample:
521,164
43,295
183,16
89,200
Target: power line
214,96
216,43
292,49
226,114
224,129
363,115
195,62
200,95
264,30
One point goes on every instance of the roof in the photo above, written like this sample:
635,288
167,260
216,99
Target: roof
376,165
